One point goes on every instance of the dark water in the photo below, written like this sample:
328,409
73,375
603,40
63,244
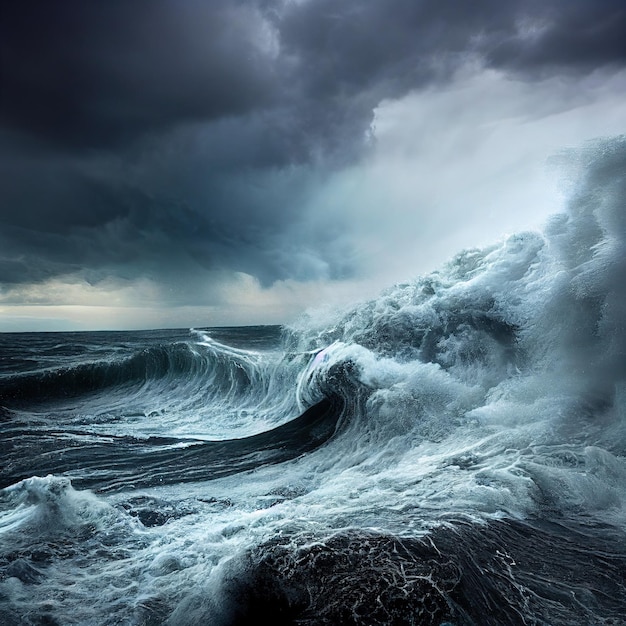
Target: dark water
453,452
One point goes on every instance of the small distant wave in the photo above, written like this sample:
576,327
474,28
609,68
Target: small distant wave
72,381
200,365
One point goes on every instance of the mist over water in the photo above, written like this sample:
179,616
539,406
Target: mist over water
452,452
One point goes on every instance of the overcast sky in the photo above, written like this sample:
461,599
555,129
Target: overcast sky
173,163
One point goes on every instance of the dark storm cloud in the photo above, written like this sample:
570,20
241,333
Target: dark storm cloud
97,73
161,137
94,74
76,217
572,37
389,47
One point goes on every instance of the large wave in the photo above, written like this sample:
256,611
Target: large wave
511,358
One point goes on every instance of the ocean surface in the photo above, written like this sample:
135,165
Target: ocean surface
451,452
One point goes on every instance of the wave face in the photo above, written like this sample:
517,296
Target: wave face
452,452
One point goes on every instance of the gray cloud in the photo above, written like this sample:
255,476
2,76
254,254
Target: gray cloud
98,74
84,74
574,37
166,139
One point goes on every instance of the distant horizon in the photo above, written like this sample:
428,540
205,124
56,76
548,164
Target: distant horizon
133,330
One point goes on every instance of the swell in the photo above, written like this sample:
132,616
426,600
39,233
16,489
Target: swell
176,361
117,463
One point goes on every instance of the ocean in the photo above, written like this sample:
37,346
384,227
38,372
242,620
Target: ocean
452,452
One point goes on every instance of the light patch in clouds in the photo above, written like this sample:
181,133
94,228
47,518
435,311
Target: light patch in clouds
241,300
77,292
463,166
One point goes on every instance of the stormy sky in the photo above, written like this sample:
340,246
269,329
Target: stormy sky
172,163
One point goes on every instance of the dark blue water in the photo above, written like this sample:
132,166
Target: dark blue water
452,452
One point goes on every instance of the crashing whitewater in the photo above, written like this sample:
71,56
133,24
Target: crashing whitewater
452,452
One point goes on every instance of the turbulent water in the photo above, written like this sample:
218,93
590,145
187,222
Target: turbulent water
453,452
